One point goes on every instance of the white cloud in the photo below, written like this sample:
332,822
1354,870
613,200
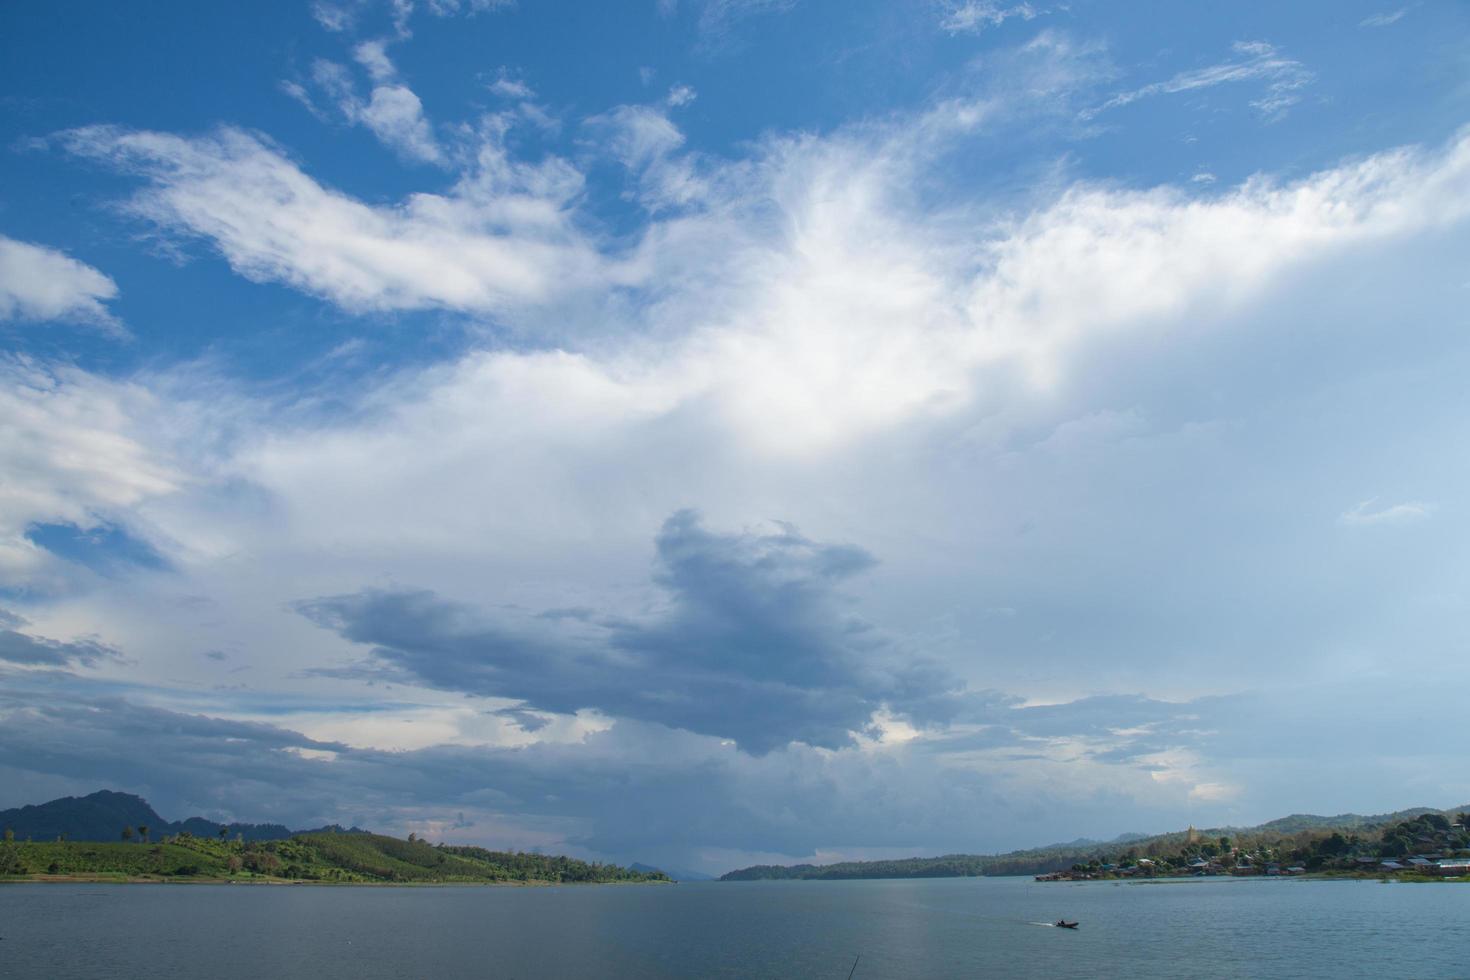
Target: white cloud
1386,19
681,95
74,449
396,116
511,88
502,238
373,56
392,112
1365,513
1284,79
445,8
807,334
973,16
40,283
811,299
645,141
718,18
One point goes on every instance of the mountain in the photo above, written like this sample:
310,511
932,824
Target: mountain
1345,821
1297,835
101,816
673,873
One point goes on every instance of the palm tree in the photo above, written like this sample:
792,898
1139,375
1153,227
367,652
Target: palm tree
223,832
143,832
127,833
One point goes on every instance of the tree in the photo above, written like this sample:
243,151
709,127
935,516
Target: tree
127,833
143,832
223,832
10,862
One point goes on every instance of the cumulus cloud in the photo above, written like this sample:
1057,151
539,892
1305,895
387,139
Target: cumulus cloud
753,646
818,334
73,451
391,111
809,296
40,283
1283,79
644,140
636,790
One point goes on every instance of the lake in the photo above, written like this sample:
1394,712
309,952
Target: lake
966,927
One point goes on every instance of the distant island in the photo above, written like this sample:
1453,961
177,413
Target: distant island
1415,843
71,839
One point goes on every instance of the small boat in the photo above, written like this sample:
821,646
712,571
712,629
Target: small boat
1064,924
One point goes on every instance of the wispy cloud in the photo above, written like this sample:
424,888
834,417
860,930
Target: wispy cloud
1405,513
719,19
1283,77
1384,19
501,237
973,16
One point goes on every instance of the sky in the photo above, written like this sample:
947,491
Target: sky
709,432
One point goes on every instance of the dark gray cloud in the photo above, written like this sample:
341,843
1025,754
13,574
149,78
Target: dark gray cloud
754,644
635,790
17,647
641,791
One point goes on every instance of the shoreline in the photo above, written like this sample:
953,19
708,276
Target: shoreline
1192,879
107,879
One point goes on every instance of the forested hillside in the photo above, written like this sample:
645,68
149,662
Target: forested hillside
1318,843
325,857
106,814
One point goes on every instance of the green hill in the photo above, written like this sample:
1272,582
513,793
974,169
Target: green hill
328,857
1321,843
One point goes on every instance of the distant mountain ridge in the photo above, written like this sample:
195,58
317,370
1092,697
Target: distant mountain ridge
1055,857
674,873
101,816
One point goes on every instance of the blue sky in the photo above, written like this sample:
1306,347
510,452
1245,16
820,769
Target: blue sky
708,431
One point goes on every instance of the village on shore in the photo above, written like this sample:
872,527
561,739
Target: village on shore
1428,846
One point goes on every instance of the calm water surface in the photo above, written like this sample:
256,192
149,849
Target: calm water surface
975,927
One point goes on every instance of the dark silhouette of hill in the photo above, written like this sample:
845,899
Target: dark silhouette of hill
101,816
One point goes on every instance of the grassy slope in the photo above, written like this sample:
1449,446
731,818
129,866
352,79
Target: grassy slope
309,857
